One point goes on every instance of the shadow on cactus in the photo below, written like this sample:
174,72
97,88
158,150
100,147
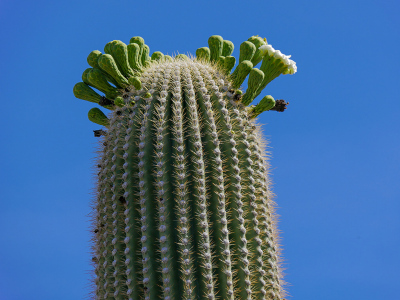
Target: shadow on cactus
183,207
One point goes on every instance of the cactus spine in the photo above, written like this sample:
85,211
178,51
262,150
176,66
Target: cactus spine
183,208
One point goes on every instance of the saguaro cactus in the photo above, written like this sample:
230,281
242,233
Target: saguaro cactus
183,208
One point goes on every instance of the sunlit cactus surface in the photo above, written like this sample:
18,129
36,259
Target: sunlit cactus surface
183,207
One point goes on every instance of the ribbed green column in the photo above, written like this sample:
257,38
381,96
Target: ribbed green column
180,176
202,225
183,206
217,190
146,191
132,239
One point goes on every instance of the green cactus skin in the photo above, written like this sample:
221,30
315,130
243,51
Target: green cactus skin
183,207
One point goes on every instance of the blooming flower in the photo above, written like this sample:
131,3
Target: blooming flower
271,52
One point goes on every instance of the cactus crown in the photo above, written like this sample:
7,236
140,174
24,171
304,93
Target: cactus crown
120,69
183,208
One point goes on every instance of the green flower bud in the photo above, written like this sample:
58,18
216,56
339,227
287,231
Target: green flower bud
221,61
97,116
85,75
119,101
99,81
181,56
93,57
257,41
133,57
203,54
255,78
108,48
247,50
108,65
258,55
139,41
215,43
227,48
168,58
135,81
84,92
145,55
229,63
242,70
157,56
266,103
120,54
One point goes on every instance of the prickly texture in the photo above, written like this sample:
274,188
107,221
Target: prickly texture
183,206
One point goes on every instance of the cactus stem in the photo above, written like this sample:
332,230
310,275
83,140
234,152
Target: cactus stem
183,207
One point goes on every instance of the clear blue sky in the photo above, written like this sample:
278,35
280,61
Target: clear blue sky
335,151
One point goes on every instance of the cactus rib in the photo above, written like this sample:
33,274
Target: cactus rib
217,189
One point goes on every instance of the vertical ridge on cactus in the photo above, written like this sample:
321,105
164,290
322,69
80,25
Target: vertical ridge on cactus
183,206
